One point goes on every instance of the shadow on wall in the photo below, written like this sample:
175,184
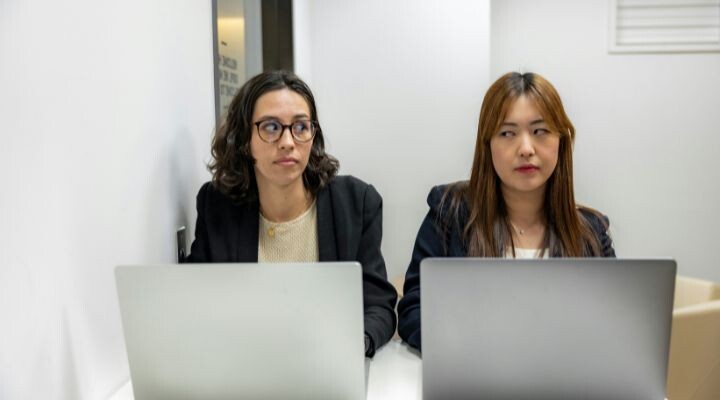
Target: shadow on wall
69,379
173,172
181,159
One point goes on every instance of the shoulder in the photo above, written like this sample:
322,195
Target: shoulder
597,221
209,193
598,224
348,183
207,189
446,197
350,188
436,195
448,209
214,199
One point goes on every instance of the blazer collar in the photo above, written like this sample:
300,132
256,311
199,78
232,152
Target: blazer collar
248,224
325,226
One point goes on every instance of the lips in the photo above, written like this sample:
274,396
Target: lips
286,161
527,168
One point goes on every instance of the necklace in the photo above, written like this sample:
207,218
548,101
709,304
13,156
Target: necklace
275,228
271,230
518,230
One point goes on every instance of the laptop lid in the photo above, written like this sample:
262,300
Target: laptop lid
546,329
250,331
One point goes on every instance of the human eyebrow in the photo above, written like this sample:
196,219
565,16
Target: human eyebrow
537,121
268,118
507,123
295,117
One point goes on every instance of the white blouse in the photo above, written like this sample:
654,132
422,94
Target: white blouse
524,254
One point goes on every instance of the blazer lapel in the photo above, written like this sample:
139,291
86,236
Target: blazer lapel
325,227
248,224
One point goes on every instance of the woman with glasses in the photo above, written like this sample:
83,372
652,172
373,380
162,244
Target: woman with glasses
275,196
519,201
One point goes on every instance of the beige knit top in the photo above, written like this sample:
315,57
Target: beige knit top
291,241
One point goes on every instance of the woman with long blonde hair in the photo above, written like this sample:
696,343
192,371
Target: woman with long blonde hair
519,201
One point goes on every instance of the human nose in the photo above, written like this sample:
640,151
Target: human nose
527,147
286,141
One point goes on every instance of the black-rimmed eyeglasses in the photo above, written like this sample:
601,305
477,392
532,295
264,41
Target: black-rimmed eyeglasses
302,130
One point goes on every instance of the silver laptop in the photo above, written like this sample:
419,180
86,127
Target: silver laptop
244,331
546,329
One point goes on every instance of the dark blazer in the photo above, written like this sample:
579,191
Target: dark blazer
431,243
349,223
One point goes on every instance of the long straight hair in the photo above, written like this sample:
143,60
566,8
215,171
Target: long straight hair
487,232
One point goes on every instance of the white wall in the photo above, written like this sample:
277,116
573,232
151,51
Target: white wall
398,86
106,112
647,136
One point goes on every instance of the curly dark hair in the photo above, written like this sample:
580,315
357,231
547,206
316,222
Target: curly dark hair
232,163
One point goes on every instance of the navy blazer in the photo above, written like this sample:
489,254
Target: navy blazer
431,243
349,223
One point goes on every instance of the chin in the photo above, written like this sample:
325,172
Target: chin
526,187
287,180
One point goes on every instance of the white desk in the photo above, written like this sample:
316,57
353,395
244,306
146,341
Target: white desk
394,374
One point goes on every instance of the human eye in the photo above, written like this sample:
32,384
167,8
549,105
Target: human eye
541,131
301,126
270,126
506,134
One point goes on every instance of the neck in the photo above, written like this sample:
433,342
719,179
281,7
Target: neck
283,203
524,209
